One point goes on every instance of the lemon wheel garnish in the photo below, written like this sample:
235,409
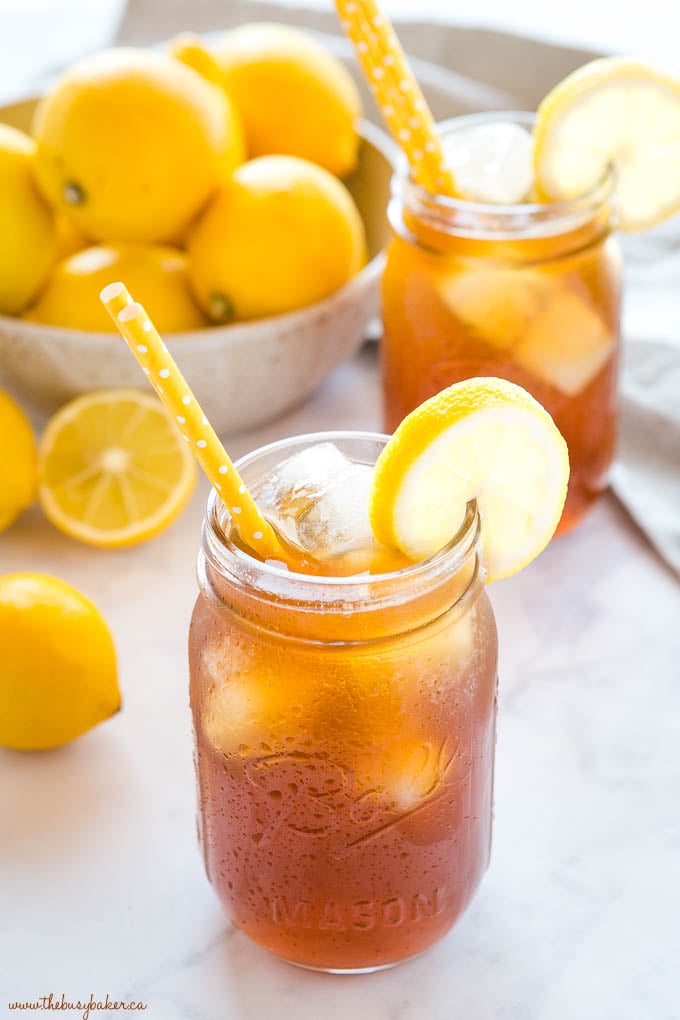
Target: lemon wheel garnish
113,468
613,112
483,439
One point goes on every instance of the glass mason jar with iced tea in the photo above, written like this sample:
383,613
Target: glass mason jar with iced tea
344,716
528,292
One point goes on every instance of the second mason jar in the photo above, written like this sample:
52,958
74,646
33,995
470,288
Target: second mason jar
527,292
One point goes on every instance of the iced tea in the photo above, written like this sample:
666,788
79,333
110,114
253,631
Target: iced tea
344,717
527,292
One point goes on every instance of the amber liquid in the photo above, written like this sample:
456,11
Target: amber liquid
345,787
543,313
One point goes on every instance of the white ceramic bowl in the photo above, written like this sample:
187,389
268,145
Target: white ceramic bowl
242,374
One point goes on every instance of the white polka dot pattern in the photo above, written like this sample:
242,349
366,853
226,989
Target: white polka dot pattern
152,354
397,92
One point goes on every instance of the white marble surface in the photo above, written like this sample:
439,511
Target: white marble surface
102,886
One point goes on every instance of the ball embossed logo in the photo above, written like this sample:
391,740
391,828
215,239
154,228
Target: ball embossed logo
312,796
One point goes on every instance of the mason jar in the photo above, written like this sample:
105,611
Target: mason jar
344,732
527,292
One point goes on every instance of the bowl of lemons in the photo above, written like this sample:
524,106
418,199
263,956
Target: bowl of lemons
234,188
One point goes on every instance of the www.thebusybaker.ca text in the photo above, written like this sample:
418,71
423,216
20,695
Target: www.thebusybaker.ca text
84,1007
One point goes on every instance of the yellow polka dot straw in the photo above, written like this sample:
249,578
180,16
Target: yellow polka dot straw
397,93
141,336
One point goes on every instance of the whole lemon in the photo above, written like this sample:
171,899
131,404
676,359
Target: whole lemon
282,233
69,238
189,48
28,233
294,96
58,676
18,463
155,274
132,143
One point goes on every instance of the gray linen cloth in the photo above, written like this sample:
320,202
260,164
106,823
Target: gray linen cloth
463,70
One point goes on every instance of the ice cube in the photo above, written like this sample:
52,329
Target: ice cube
402,775
237,711
246,709
497,304
491,162
457,642
318,502
411,776
567,343
235,719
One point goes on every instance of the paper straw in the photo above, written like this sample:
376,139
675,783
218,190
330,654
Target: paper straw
141,336
117,298
397,93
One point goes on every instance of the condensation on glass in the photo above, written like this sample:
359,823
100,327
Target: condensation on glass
530,293
345,734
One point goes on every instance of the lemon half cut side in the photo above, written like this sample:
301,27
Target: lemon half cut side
113,468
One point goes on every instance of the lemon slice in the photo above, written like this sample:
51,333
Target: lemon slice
113,468
613,112
483,439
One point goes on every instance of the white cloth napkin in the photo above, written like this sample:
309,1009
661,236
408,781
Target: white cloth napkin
646,475
463,70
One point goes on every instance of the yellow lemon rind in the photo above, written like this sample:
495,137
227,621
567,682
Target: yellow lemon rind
67,684
138,531
466,405
574,89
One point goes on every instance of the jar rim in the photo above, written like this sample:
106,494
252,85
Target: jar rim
236,564
497,221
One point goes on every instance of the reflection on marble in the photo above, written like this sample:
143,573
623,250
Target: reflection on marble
577,919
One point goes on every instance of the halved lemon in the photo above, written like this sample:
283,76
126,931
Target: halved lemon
113,468
613,112
482,439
